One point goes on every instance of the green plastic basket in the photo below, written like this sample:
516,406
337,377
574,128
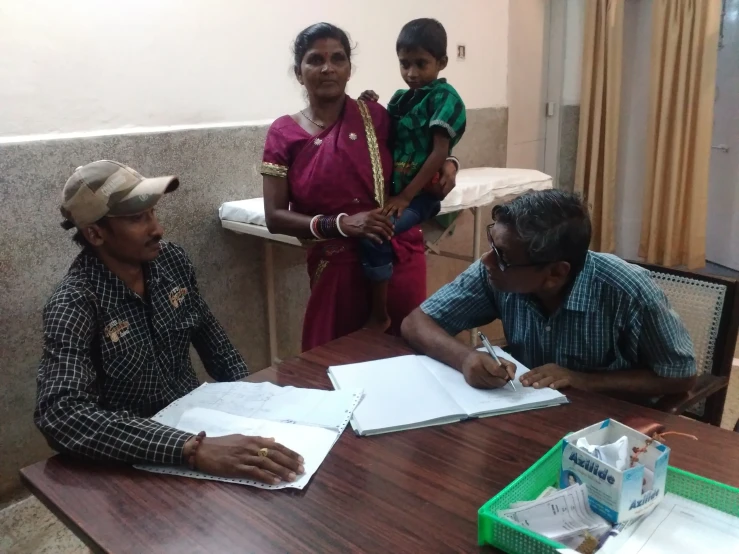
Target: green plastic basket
509,537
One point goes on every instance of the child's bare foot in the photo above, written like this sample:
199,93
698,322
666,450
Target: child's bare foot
378,324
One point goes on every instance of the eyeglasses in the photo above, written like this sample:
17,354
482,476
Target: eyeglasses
501,263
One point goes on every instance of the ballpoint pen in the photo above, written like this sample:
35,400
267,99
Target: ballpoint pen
489,348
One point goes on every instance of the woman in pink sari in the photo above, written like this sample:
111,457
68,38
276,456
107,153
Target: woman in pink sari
325,171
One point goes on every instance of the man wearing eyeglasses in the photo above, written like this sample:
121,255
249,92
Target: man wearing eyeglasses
578,318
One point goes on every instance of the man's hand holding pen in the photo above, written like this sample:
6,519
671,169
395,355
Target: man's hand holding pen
481,371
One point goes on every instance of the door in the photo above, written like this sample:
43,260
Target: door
536,77
528,75
722,232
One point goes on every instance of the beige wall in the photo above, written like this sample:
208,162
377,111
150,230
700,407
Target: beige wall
91,65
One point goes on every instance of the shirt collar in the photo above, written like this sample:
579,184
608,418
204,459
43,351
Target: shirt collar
584,289
110,288
102,278
431,85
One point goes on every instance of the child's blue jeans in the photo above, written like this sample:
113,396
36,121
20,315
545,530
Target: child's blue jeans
377,259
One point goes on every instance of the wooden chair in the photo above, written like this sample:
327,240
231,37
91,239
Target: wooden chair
709,308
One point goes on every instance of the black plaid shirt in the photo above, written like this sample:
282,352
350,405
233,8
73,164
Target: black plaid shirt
111,359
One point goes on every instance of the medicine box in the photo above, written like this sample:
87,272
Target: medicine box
617,495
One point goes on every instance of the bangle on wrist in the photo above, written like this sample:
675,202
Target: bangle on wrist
327,227
338,225
314,226
198,440
454,160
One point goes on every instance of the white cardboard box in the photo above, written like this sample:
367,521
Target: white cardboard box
616,495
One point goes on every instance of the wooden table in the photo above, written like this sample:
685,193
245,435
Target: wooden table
413,491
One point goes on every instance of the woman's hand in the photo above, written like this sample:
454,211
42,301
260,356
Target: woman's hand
369,96
447,181
372,225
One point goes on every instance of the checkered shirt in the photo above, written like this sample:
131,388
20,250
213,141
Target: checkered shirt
416,115
111,360
615,317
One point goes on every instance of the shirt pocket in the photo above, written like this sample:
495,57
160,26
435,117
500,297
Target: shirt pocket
183,316
131,376
411,126
590,356
185,319
180,329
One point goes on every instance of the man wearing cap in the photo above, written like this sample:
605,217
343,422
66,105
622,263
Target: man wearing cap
117,333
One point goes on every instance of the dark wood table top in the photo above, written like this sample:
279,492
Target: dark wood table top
412,491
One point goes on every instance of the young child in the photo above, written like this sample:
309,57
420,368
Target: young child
429,119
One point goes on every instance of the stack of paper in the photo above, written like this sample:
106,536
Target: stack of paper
322,408
559,515
409,392
678,525
307,421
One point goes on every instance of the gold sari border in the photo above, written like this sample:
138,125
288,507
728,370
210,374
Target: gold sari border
274,170
374,152
323,264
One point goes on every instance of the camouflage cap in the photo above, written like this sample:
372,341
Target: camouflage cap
110,188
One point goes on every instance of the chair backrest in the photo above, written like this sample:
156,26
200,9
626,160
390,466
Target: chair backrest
709,308
700,305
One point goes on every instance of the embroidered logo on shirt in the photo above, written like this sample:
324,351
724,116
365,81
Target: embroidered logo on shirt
176,296
116,330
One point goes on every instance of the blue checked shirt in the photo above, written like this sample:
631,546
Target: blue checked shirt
615,317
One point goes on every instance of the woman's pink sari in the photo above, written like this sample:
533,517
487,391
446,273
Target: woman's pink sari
331,173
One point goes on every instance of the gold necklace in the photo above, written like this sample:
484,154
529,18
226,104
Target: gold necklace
319,125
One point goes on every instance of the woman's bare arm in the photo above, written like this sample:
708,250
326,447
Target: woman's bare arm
280,219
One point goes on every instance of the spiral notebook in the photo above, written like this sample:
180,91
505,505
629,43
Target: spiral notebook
409,392
308,421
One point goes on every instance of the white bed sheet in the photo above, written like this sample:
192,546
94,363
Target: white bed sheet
478,186
244,211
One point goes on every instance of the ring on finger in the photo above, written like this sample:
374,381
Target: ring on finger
263,453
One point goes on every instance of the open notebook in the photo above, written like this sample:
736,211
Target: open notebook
409,392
